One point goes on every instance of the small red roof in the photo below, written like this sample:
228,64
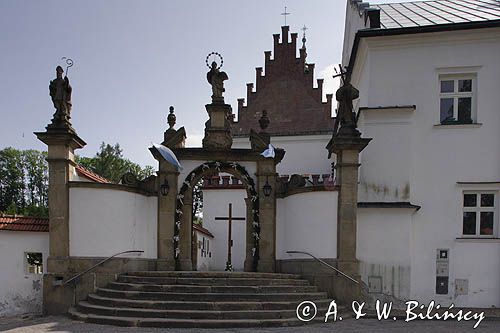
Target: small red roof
23,223
86,173
199,228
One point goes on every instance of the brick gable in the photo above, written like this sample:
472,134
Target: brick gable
287,93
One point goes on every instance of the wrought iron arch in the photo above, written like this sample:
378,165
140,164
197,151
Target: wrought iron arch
208,168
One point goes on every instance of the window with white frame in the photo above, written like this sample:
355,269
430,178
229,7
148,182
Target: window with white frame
33,262
479,214
457,99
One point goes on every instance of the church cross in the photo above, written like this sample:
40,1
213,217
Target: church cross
304,28
229,219
285,13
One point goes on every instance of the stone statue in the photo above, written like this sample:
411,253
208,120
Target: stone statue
60,92
216,78
345,115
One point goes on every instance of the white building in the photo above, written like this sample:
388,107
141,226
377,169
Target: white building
24,245
429,76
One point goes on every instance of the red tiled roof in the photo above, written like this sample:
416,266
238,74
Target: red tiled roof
202,230
83,172
23,223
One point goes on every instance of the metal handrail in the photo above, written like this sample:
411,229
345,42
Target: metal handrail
326,264
97,265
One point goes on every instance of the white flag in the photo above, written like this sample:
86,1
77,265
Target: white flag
269,152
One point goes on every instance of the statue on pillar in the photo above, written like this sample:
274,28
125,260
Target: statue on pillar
346,118
60,92
216,78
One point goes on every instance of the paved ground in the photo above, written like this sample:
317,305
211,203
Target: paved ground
66,325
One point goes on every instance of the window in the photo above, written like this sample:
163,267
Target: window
456,99
33,262
479,214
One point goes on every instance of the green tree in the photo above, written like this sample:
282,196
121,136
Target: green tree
12,182
23,182
110,164
36,172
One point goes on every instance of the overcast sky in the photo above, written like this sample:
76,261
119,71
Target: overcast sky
133,59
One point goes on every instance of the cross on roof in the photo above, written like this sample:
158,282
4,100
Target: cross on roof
285,13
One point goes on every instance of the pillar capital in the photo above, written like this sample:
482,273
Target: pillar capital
339,144
61,138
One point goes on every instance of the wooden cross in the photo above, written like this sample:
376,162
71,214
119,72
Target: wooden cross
285,13
230,219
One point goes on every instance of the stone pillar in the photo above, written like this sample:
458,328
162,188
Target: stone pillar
347,149
266,172
61,144
218,127
249,259
166,216
185,233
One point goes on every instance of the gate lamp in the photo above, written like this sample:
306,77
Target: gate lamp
164,188
267,188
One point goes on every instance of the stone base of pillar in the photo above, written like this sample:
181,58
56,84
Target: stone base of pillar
248,265
346,290
266,266
165,265
349,267
58,264
186,264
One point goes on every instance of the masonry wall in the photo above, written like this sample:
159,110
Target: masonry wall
307,222
104,222
383,247
20,292
204,252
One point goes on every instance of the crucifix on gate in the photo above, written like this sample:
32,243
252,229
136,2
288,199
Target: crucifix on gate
229,219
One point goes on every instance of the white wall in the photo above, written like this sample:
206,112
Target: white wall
305,154
383,248
216,203
385,175
404,70
20,292
204,259
307,222
104,222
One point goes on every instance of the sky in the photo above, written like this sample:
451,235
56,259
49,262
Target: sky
134,59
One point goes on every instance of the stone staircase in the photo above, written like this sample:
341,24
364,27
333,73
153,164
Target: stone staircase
200,299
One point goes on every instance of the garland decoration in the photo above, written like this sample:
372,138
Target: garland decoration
218,166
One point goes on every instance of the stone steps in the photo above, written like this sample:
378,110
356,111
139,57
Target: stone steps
200,300
210,281
184,323
214,297
86,307
218,275
177,288
196,305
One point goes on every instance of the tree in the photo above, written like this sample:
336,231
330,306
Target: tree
24,176
23,182
110,164
12,184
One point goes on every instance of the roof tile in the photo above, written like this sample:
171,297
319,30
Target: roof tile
23,223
